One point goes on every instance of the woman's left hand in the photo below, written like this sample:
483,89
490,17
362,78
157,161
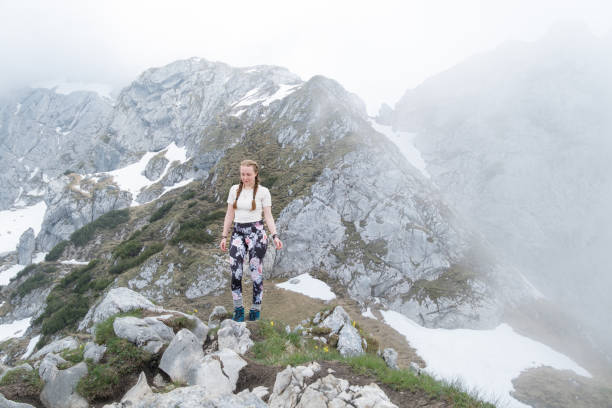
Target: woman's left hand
278,243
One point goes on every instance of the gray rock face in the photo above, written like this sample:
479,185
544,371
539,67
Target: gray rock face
70,208
59,391
150,334
390,357
234,336
117,300
25,249
138,392
48,367
182,351
56,346
349,341
289,384
94,352
4,403
155,167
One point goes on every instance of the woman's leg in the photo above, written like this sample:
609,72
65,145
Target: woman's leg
257,245
237,252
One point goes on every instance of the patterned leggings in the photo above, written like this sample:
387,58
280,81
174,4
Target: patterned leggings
249,237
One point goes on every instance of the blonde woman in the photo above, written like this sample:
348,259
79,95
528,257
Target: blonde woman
245,204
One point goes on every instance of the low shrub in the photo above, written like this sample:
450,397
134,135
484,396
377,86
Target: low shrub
161,211
194,230
107,221
33,282
188,195
57,251
129,263
128,249
24,272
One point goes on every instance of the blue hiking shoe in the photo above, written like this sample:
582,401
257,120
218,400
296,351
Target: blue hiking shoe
238,314
253,315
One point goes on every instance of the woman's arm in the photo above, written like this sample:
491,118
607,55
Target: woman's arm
271,226
227,223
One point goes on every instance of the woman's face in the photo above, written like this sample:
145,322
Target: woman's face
247,175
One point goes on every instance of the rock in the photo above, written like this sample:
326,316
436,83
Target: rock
289,385
117,300
48,367
199,396
200,330
415,368
55,347
336,320
156,166
371,396
150,334
59,392
4,403
218,313
390,357
182,352
235,336
287,329
94,352
26,246
260,391
138,391
317,318
159,381
349,341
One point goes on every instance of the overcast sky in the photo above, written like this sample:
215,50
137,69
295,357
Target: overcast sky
377,49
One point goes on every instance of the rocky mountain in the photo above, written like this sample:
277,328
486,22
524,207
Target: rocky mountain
518,141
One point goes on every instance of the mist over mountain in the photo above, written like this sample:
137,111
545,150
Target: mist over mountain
518,140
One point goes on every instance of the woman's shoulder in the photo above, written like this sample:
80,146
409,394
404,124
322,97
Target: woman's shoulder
234,187
263,189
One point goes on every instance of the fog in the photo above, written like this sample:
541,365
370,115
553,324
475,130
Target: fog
376,52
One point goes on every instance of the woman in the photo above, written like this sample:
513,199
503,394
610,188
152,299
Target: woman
244,207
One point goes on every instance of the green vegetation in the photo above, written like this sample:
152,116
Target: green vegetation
29,378
125,264
274,346
161,211
194,230
107,221
33,282
178,323
128,249
122,358
44,268
57,251
188,195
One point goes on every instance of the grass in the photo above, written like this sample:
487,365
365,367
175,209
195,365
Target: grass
161,211
180,322
57,251
121,359
276,347
194,230
125,264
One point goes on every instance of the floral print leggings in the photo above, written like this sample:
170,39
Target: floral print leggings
249,237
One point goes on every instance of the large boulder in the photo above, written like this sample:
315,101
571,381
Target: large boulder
150,334
349,341
67,343
290,384
117,300
235,336
59,391
181,353
94,352
48,367
218,313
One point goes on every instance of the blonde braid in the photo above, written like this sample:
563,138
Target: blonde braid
253,205
238,195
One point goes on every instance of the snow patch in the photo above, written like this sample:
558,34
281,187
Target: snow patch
15,222
405,143
30,347
250,98
17,109
484,360
12,271
283,91
14,329
309,286
74,262
368,313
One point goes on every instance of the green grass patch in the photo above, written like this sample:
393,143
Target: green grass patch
57,251
71,311
187,195
74,356
29,378
105,222
122,358
125,264
161,211
128,249
180,322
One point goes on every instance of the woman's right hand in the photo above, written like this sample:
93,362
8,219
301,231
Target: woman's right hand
223,244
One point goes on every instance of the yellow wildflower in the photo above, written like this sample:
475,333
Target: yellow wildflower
326,349
195,310
271,323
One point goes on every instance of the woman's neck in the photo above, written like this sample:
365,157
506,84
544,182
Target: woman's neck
247,187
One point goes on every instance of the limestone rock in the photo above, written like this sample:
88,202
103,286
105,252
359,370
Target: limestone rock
59,391
336,320
94,352
235,336
150,334
138,391
181,353
4,403
25,249
55,347
390,357
349,341
215,317
48,367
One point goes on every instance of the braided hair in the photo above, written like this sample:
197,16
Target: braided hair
255,167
